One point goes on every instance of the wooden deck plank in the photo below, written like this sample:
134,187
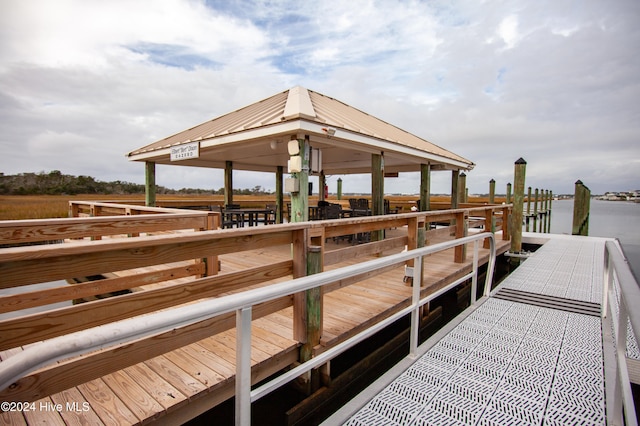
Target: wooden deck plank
77,409
208,352
195,368
12,418
174,375
161,390
106,404
44,413
279,331
135,397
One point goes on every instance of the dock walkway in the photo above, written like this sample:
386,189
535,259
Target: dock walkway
532,353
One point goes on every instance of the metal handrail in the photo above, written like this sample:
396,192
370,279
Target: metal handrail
617,270
120,332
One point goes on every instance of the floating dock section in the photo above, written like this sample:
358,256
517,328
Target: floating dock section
537,351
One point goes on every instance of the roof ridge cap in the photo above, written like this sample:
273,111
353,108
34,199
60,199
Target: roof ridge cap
299,104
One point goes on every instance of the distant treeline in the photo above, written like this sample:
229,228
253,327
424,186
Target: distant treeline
57,183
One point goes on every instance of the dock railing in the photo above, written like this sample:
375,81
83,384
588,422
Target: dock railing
243,304
145,260
621,299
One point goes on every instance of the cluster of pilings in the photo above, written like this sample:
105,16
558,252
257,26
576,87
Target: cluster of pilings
540,215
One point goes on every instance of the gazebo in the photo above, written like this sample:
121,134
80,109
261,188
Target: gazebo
304,133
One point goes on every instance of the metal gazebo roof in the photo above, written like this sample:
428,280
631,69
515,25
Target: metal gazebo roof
255,138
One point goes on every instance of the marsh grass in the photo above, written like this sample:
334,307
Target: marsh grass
18,207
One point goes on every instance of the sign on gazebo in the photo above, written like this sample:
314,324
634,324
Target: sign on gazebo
185,151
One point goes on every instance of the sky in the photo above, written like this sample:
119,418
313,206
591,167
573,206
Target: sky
557,83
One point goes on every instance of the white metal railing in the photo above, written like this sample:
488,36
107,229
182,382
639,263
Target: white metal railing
624,311
52,350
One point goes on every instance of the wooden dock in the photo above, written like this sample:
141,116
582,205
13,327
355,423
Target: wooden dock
538,351
175,376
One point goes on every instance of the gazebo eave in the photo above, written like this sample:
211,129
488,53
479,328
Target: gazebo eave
215,151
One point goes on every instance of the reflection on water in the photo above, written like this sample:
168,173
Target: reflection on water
33,287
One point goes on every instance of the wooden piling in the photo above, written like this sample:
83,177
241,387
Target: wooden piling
462,186
492,191
518,204
455,174
509,193
549,212
535,211
528,219
545,226
581,205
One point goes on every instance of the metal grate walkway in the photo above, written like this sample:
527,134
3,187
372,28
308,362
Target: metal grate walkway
515,359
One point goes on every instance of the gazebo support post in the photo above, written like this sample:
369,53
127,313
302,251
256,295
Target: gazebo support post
279,194
300,199
425,187
150,183
322,181
228,183
377,191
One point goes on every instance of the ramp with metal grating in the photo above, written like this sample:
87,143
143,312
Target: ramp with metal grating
507,363
531,354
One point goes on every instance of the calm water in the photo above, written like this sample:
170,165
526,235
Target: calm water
615,219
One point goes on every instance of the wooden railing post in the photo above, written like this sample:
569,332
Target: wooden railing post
461,231
506,223
489,225
74,210
212,221
308,306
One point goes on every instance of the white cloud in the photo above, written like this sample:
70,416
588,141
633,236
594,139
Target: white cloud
508,31
551,82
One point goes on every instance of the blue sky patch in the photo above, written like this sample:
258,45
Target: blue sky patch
173,55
